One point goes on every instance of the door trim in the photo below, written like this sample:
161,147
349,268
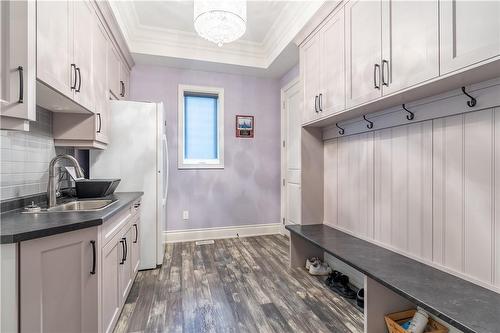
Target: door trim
283,172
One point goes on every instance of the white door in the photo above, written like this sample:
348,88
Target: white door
163,171
291,165
363,51
470,33
410,43
332,98
310,55
54,44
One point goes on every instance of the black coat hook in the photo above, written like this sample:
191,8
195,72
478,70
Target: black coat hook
472,102
370,123
410,115
341,132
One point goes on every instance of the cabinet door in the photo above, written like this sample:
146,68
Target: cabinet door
113,71
83,24
17,67
410,43
363,51
59,293
135,255
99,54
125,267
470,33
310,55
55,45
111,300
333,65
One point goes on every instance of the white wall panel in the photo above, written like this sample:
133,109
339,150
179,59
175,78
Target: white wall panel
331,182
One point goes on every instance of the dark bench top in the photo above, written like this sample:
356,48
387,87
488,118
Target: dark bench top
465,305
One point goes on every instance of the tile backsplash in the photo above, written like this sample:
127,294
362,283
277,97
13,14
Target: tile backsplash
25,157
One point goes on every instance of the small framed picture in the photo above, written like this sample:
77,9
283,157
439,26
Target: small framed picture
244,126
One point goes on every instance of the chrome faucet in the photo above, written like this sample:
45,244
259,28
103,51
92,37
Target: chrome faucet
52,186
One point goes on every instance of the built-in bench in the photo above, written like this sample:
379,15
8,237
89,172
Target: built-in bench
394,282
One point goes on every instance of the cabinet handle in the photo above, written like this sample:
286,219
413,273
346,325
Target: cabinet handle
100,122
122,89
73,67
126,248
21,84
79,79
123,251
316,104
384,63
320,102
136,232
93,257
375,69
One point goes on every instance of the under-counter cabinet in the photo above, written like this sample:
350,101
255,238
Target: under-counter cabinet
470,33
322,58
18,64
59,283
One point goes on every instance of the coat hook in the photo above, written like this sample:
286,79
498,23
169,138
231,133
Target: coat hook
410,115
341,132
370,123
472,102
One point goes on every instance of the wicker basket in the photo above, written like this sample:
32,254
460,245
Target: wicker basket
394,320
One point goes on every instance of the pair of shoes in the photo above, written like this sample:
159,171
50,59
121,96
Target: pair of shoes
316,267
339,283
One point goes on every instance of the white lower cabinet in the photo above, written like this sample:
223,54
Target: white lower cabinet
79,281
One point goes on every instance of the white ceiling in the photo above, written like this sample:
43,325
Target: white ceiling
162,32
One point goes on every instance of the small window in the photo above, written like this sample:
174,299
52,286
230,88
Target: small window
201,132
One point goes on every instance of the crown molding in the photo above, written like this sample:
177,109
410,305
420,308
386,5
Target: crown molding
143,39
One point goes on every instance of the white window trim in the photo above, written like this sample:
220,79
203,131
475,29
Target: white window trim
200,164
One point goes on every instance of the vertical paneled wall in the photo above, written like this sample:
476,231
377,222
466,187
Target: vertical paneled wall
430,190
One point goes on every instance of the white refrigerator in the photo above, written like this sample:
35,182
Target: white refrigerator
137,154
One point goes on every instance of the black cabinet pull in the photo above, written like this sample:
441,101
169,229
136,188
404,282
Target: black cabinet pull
100,122
123,251
122,89
93,257
136,232
316,104
79,79
320,102
21,84
126,248
375,69
73,67
384,63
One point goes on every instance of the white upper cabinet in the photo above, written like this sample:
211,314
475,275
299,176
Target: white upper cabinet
55,45
311,73
470,33
363,51
101,94
18,64
124,81
410,40
83,23
114,68
332,94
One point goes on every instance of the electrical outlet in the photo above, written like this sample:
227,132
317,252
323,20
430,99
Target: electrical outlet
185,215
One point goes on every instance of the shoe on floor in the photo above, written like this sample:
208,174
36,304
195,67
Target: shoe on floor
340,284
318,268
310,261
333,278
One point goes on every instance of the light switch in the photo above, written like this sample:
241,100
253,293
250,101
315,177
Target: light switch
185,215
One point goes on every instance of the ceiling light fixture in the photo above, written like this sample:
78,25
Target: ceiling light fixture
220,21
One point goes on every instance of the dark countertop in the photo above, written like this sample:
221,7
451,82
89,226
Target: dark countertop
17,227
465,305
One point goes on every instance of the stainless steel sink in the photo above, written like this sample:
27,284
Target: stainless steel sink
82,205
78,206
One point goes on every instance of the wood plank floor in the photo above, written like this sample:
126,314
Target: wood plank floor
234,285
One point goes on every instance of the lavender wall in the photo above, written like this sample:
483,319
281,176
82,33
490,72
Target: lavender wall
290,75
247,190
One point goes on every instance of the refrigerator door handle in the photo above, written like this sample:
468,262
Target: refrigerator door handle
166,171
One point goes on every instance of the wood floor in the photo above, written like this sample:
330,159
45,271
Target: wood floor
234,285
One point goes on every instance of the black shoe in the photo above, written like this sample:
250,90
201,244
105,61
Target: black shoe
333,278
341,287
360,298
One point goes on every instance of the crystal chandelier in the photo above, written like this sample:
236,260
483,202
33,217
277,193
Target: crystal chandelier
220,21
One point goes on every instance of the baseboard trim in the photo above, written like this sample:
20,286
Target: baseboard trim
176,236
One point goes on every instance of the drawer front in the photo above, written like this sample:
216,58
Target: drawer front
112,227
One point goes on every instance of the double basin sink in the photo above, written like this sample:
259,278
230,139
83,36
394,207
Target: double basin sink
78,206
